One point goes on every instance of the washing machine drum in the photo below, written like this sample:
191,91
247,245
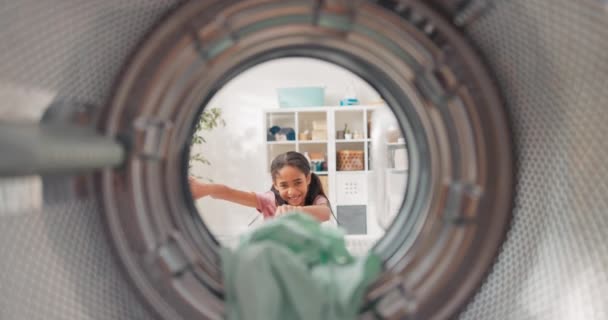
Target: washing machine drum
503,106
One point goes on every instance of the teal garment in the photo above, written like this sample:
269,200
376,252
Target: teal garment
294,268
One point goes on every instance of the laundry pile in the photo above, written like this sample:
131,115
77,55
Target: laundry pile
294,268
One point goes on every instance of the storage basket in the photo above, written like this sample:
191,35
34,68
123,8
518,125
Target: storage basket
301,97
349,160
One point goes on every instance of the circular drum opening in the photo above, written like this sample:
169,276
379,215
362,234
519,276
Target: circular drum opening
271,109
452,219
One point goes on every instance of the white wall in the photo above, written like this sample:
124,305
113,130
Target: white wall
237,152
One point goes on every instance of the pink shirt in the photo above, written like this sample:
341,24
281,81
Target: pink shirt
267,204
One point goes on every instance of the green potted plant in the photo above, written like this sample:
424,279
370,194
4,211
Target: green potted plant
348,135
209,120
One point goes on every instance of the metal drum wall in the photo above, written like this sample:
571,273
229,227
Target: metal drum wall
59,61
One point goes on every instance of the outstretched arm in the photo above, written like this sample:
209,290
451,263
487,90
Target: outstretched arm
223,192
320,211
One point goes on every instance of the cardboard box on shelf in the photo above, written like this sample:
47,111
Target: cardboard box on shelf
319,135
319,125
317,156
304,135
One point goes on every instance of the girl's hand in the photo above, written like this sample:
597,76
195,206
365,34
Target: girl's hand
285,209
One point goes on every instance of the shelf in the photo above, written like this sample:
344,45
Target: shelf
395,144
357,107
392,143
281,142
338,108
392,170
343,187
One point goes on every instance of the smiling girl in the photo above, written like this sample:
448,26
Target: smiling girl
294,188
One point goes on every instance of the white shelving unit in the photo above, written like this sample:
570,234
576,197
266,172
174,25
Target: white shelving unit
347,190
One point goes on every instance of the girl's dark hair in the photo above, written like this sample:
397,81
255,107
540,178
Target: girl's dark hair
296,160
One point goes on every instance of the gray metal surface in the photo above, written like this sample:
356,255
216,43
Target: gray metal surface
551,61
74,48
55,258
56,264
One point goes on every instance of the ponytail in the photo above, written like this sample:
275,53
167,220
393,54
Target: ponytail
315,189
